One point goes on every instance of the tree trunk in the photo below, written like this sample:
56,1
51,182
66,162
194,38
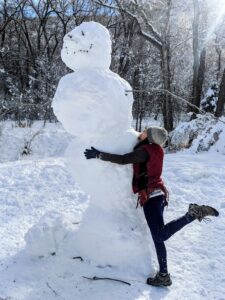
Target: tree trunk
221,98
137,95
167,107
219,59
200,78
195,53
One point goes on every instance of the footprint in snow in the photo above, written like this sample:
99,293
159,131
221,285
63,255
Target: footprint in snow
222,205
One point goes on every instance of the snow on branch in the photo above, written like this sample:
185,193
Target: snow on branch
101,3
149,25
152,36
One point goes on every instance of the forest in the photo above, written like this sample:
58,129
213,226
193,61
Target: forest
171,52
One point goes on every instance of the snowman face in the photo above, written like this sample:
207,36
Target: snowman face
87,46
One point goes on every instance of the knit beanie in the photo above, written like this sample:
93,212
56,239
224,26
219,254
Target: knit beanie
157,135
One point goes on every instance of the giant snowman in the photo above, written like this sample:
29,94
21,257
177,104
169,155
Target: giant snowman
93,106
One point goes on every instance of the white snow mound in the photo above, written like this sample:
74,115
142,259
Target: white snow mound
48,235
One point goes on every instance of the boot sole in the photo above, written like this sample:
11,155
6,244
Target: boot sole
160,285
163,284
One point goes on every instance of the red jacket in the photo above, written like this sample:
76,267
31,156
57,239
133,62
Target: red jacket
146,182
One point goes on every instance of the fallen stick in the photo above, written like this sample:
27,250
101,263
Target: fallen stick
56,294
78,257
106,278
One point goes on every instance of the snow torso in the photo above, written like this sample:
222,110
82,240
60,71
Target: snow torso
93,103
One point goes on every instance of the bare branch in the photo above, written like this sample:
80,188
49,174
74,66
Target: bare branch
176,97
152,36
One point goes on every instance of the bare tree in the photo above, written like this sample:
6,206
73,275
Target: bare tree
199,55
151,48
221,98
146,29
31,39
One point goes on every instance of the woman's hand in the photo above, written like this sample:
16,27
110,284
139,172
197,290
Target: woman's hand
92,153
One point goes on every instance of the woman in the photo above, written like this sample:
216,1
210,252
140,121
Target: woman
147,160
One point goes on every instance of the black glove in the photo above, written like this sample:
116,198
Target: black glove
92,153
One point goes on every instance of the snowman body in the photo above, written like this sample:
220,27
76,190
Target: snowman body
93,105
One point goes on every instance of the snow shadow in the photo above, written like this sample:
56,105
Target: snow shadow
60,277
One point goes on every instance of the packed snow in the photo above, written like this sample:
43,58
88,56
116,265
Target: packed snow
87,46
93,106
39,195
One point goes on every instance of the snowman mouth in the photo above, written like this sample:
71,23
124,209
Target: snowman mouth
80,50
83,51
86,51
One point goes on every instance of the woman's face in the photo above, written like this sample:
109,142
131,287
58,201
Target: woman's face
143,135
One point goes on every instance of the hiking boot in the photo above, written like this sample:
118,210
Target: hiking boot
159,280
201,211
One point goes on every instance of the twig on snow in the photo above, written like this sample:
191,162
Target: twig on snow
55,293
106,278
78,257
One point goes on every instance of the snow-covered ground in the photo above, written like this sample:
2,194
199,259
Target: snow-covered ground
40,203
50,140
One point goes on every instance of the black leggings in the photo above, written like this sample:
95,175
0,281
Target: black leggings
153,210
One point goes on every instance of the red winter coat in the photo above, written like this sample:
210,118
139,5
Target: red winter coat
150,180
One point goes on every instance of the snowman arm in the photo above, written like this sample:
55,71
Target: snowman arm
137,156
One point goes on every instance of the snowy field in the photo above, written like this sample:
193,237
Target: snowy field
37,190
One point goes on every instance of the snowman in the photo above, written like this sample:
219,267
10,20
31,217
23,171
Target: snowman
93,106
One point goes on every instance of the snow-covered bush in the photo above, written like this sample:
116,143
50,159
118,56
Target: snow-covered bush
28,141
208,103
16,142
199,135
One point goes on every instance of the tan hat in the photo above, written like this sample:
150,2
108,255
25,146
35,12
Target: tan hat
157,135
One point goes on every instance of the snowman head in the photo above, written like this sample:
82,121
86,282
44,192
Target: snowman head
87,46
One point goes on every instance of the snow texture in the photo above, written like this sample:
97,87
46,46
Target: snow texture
92,105
201,134
48,236
40,192
50,140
